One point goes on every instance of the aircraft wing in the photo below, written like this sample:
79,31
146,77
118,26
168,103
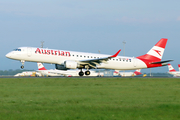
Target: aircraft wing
93,62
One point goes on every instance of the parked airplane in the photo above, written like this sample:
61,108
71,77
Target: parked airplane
127,74
28,73
172,71
69,73
65,60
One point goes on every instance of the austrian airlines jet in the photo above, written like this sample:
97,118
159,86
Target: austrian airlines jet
172,71
127,74
65,60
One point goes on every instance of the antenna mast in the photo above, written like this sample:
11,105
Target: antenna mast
42,44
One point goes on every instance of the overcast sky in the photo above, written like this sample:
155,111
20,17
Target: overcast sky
89,26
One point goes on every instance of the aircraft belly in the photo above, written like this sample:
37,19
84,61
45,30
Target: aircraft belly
123,65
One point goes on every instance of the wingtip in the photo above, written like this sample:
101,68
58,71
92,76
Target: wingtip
115,55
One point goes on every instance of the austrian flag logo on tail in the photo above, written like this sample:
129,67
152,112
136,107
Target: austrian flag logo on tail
159,52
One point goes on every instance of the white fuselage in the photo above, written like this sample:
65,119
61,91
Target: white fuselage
60,56
176,74
28,73
126,74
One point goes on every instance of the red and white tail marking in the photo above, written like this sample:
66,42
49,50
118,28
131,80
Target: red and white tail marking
40,66
171,69
137,72
156,52
179,66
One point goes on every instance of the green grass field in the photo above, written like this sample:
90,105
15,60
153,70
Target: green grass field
89,98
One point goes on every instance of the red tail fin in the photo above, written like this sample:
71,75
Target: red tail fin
156,53
41,67
171,69
137,72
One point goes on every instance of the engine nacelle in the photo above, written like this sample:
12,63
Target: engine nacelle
71,64
60,67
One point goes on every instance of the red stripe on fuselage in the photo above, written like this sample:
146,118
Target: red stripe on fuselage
148,62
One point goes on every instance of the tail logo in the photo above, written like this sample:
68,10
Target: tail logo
158,52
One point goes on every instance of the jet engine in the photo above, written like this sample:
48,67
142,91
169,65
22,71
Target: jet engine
71,64
60,67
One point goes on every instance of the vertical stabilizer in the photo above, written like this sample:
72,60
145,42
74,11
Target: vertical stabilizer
156,52
171,69
138,72
179,66
40,66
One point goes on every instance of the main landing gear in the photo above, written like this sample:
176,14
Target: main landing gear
22,66
81,73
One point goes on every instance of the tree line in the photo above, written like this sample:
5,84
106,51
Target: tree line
12,72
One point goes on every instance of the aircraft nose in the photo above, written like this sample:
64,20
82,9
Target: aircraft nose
8,55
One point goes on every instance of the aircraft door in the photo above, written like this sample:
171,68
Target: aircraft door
134,62
29,51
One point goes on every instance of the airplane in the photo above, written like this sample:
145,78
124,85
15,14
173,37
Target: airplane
127,74
172,71
54,72
26,73
65,60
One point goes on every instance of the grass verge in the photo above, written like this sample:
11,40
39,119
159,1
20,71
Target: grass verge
89,98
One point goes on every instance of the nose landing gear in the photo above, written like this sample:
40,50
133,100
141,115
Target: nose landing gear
22,66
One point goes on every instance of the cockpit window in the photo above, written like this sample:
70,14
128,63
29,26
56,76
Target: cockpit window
17,49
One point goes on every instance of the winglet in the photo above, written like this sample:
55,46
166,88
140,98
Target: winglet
115,55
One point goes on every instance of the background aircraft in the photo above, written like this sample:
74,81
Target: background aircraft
127,74
69,73
172,71
27,74
65,60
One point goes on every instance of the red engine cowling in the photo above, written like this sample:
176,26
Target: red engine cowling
70,64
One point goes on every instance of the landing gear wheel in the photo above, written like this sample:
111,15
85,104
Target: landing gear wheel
22,61
81,73
22,67
87,72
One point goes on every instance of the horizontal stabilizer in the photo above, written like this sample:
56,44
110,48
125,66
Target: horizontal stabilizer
161,62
